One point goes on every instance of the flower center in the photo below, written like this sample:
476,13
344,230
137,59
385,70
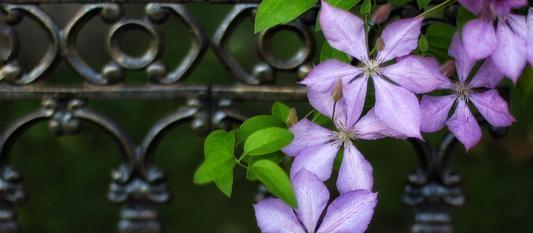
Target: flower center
344,135
462,91
371,68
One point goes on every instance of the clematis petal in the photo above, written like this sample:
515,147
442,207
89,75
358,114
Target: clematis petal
529,37
355,172
323,103
472,5
493,108
370,127
354,95
307,134
479,38
343,31
397,108
274,216
464,126
317,160
400,38
487,76
503,8
415,73
510,55
435,111
324,76
463,63
312,196
349,213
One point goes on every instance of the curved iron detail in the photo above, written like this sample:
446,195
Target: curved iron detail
433,189
150,61
263,72
11,71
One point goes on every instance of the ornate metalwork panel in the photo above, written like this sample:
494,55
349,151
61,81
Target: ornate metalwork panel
137,184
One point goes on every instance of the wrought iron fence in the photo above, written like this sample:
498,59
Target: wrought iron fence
137,184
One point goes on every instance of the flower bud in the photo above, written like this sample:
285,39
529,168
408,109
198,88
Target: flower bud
337,91
292,118
382,13
447,68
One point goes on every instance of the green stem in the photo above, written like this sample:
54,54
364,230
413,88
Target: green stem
437,8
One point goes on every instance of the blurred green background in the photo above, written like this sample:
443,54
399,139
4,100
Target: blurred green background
67,178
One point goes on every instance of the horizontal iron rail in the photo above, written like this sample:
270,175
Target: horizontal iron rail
155,92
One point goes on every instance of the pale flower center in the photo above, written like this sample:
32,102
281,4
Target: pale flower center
462,91
344,135
371,68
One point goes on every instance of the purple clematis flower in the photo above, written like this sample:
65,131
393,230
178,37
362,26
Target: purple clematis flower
497,33
396,104
349,213
489,103
530,36
316,147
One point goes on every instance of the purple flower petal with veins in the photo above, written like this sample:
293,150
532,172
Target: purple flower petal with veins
462,123
351,212
505,42
394,84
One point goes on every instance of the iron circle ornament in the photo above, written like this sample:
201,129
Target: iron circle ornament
10,50
305,53
118,31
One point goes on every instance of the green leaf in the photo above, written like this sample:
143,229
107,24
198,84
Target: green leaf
267,140
525,83
284,113
214,168
257,123
276,157
322,120
423,44
275,179
219,142
225,183
219,149
463,16
344,4
440,35
273,12
422,4
366,7
328,52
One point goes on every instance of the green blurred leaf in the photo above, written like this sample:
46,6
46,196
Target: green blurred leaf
463,16
525,83
276,157
439,36
328,52
422,4
214,168
257,123
219,149
344,4
267,141
273,12
225,183
284,113
275,179
423,44
366,7
322,120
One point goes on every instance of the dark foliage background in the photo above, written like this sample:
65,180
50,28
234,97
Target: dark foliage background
67,177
